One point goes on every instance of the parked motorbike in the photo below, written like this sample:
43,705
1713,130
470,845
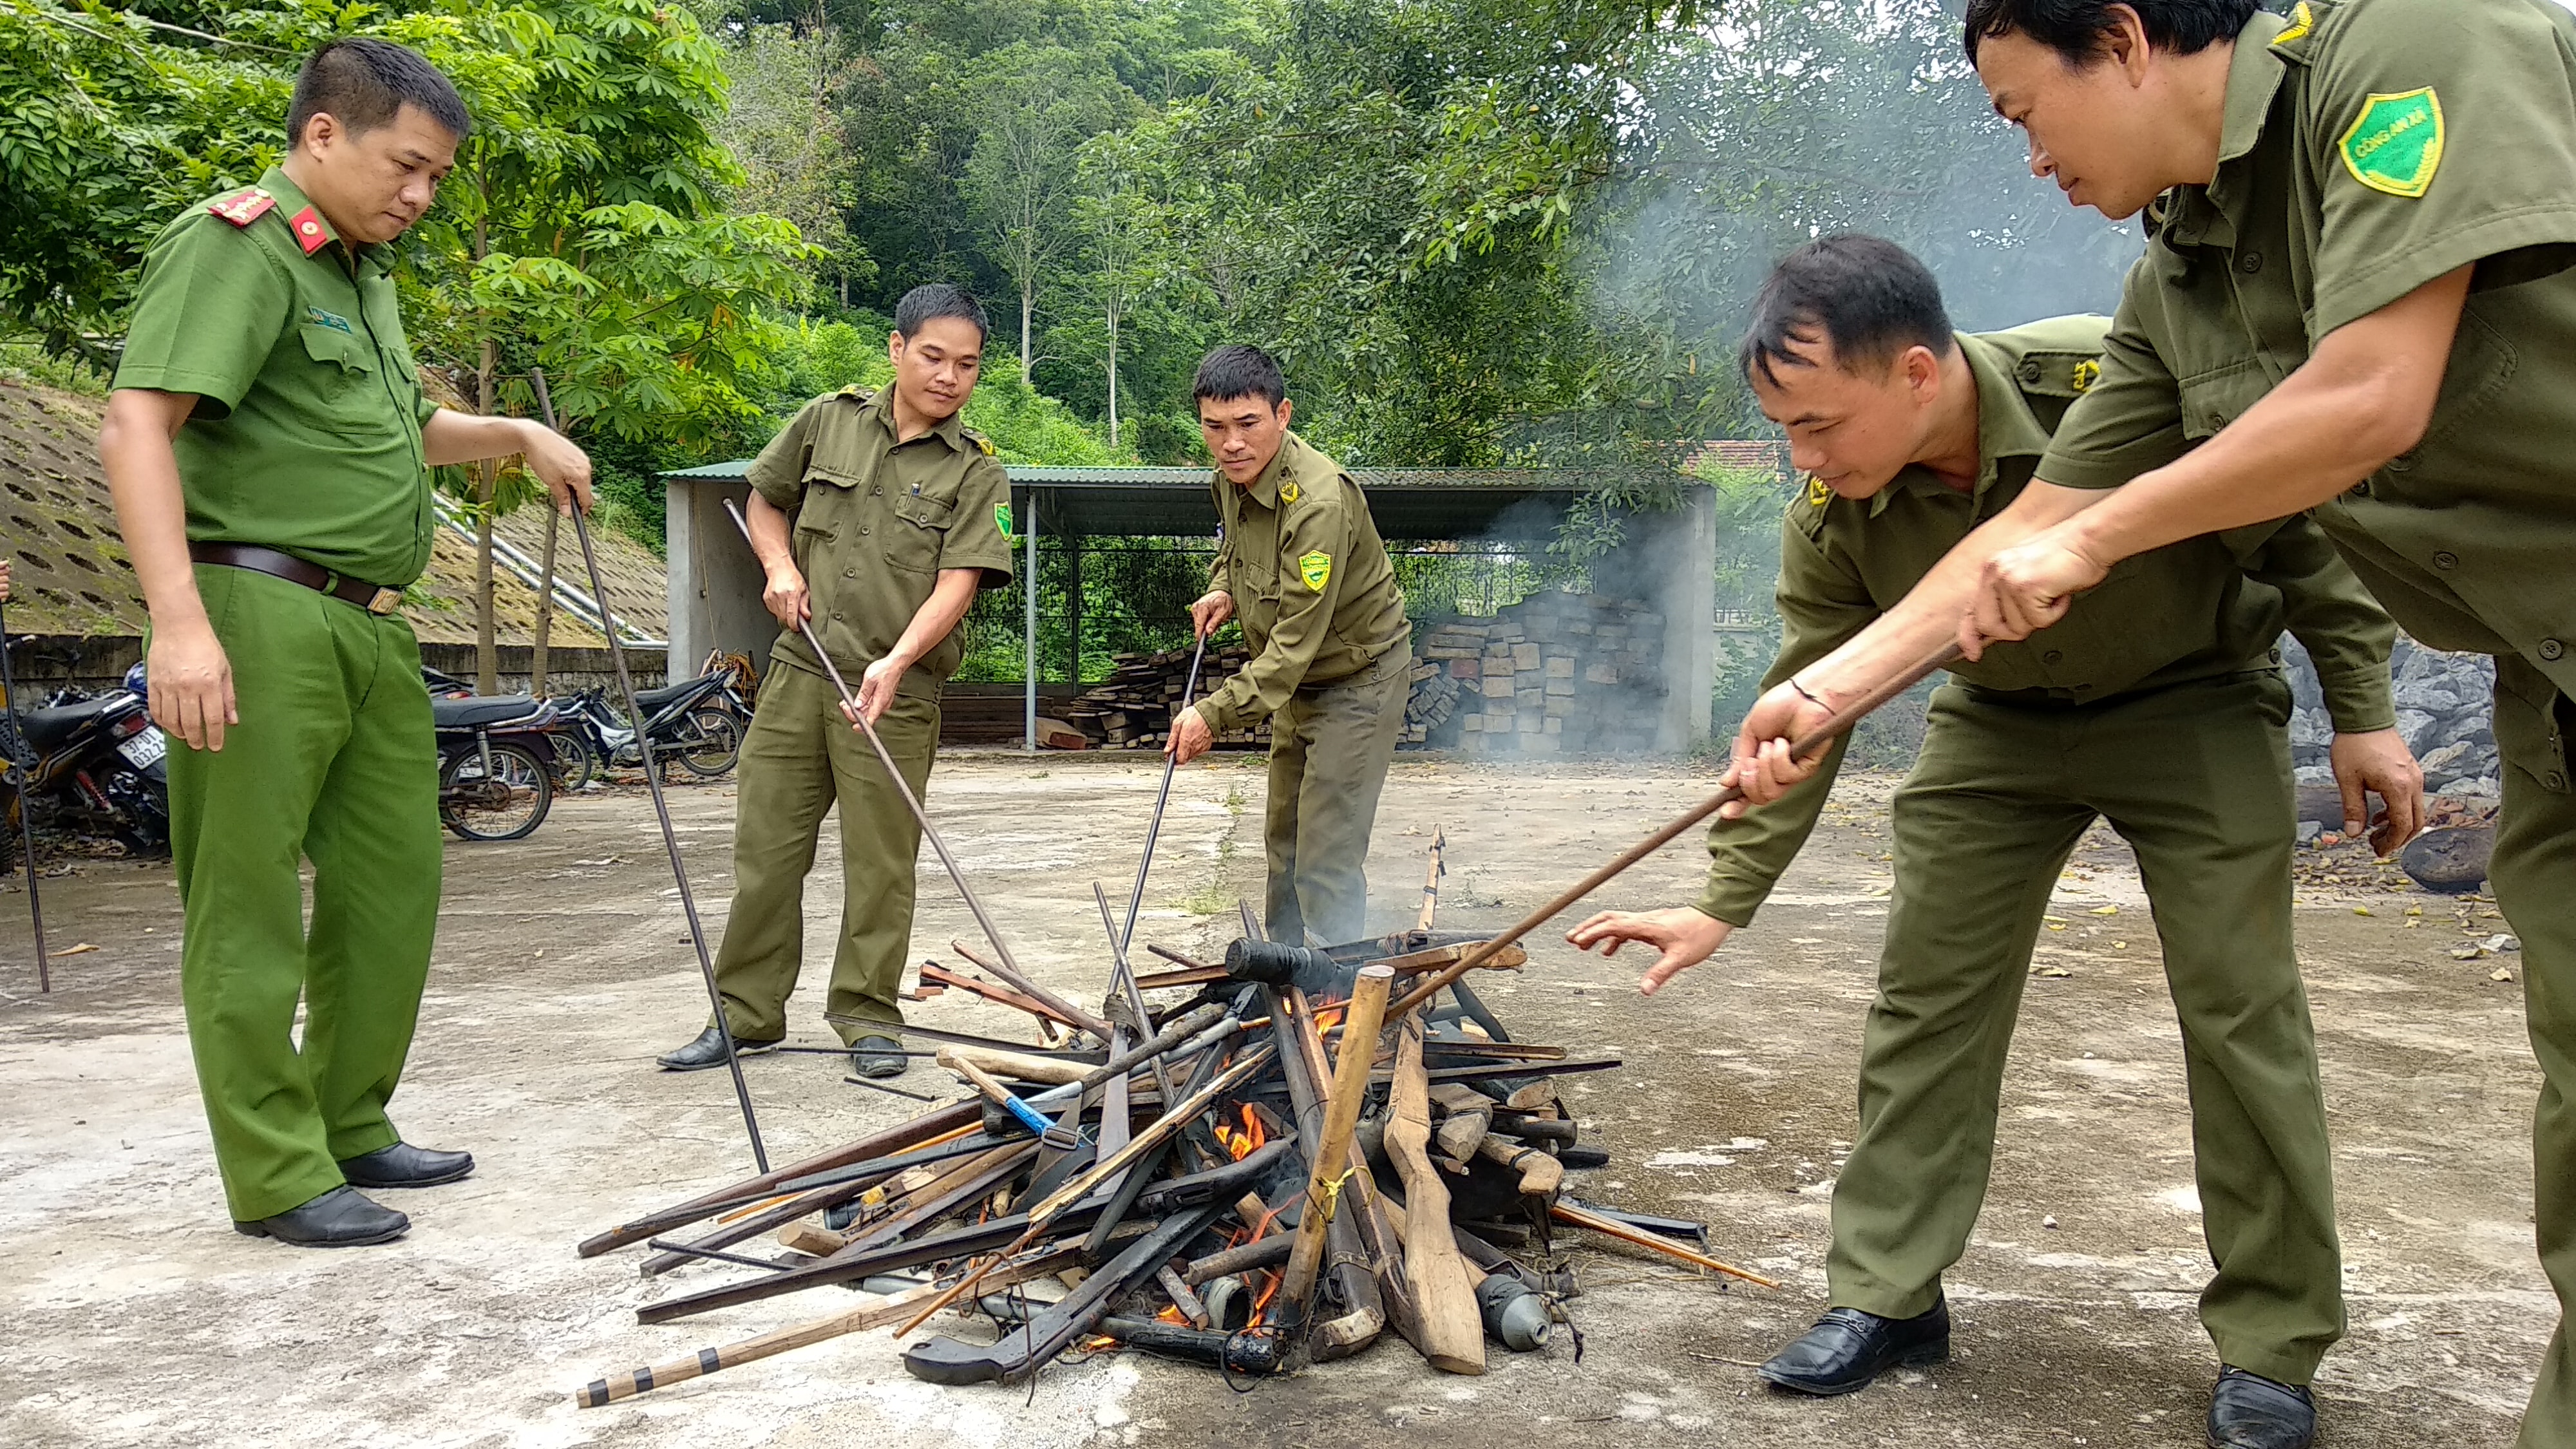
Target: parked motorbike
697,724
496,773
95,763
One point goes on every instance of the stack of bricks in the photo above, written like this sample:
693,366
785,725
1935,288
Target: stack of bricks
1134,710
1555,674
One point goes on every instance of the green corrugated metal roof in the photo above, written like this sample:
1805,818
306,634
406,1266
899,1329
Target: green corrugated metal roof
1408,503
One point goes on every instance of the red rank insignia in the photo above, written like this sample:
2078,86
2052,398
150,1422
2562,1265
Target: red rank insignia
309,231
242,207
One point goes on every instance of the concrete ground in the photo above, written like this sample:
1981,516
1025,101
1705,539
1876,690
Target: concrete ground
131,1313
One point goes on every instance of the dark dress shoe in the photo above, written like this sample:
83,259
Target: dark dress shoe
403,1165
708,1051
1847,1348
340,1218
878,1056
2249,1411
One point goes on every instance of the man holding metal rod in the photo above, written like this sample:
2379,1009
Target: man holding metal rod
877,517
268,448
2163,712
2355,301
1299,560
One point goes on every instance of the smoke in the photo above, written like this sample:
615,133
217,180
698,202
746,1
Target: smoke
1790,119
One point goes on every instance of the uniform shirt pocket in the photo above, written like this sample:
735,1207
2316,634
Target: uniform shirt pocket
344,366
920,528
2219,396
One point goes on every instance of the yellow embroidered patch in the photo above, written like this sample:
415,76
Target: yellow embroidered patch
1817,493
1288,492
2395,144
2087,373
2302,20
1316,569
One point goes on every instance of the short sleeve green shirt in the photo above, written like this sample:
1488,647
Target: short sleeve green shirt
1300,553
306,433
2368,148
2198,609
875,521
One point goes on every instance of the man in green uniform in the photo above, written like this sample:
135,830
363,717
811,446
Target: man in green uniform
2162,711
877,516
1299,560
2361,218
268,447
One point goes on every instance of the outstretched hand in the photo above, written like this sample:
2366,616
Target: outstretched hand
1683,935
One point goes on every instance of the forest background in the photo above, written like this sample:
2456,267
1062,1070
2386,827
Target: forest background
1477,233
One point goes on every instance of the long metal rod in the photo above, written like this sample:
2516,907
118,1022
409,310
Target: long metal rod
26,808
1162,797
1816,739
902,786
662,812
1029,625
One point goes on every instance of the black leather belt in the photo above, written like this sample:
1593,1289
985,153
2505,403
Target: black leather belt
374,598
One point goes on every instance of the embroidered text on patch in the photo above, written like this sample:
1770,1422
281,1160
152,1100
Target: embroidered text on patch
2395,144
1316,569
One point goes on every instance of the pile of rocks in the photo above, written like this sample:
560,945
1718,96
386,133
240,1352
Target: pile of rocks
2445,709
1554,673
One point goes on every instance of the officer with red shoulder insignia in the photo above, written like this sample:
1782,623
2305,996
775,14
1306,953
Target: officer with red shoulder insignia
268,447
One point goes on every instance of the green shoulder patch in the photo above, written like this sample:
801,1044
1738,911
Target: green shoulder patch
1316,569
2395,144
1002,518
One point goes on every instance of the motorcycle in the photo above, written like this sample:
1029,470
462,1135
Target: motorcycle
697,723
95,763
496,770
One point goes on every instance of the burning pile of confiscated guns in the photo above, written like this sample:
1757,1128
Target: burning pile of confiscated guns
1309,1148
1197,1181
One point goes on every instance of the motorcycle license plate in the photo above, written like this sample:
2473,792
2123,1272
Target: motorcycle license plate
144,750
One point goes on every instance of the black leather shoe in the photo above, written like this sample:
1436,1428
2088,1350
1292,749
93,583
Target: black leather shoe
403,1165
340,1218
708,1051
1847,1348
2249,1411
878,1056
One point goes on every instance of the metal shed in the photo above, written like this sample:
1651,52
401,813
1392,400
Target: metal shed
715,583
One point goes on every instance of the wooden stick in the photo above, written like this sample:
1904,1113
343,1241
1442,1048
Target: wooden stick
1577,1217
1815,740
1054,1071
1431,874
1540,1173
1341,1116
1019,980
932,971
1453,1333
883,1311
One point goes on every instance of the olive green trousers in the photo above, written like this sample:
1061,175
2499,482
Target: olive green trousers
2534,874
333,762
800,759
1330,747
2197,779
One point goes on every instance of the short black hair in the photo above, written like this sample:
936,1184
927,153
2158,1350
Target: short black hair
364,83
2075,28
1238,370
1870,298
931,301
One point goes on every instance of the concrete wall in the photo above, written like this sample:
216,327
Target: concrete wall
1671,559
715,582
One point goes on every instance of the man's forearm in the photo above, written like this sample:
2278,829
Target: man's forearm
2363,397
950,597
770,532
453,437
